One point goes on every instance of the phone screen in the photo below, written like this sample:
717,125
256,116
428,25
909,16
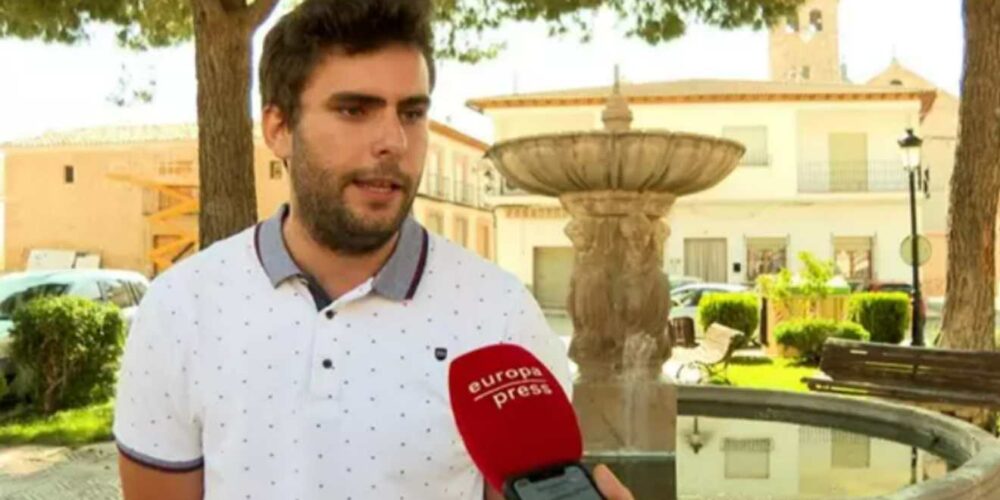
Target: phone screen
567,483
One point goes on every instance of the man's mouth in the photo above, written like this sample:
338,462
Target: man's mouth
378,185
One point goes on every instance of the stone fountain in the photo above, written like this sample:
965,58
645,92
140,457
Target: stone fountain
618,185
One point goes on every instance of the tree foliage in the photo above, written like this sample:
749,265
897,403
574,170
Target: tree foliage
149,23
460,23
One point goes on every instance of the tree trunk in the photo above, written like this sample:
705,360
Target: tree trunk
975,187
223,33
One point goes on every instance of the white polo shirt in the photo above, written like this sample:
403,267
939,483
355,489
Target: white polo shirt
238,363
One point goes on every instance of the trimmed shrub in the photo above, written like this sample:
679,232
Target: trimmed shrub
66,351
808,335
886,315
739,311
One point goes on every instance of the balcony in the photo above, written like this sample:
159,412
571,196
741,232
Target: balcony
755,159
852,177
447,189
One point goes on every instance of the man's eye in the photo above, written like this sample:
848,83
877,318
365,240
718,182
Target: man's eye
414,115
351,111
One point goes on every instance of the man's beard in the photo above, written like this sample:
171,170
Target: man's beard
319,194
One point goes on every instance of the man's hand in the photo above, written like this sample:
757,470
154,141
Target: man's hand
609,485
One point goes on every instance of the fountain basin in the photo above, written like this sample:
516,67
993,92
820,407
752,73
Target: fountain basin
971,454
636,160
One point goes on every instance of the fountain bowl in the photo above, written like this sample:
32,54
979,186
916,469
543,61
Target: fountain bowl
634,160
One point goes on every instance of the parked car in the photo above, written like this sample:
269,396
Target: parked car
685,299
907,288
679,281
122,288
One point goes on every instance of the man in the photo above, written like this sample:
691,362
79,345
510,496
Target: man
307,358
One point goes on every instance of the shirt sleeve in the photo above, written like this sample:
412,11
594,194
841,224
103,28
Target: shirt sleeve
527,327
155,420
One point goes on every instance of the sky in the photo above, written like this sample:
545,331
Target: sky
45,87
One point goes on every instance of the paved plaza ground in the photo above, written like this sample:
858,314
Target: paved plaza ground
46,473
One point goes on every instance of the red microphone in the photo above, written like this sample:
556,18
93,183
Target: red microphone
518,425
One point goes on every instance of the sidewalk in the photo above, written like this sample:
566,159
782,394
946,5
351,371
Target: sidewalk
47,473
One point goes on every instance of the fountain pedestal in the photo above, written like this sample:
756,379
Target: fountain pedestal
618,186
618,299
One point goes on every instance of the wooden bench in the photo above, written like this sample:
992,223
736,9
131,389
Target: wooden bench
916,374
716,348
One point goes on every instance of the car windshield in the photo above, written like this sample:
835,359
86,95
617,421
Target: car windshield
14,298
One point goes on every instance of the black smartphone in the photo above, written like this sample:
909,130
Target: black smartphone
563,482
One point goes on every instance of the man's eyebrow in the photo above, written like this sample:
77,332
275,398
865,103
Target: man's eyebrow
417,100
355,98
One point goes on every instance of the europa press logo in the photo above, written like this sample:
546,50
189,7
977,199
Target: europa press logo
505,386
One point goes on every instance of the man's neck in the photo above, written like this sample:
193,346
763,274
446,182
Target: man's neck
336,272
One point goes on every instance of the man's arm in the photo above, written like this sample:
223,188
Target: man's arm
157,425
144,483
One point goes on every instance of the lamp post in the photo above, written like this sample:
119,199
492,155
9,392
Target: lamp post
910,148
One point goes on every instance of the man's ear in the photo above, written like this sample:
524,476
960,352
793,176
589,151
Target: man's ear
277,132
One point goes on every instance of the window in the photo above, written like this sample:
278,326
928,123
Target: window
69,175
849,450
897,82
138,290
853,257
434,222
16,298
806,72
460,231
747,458
766,256
755,140
432,181
117,293
792,24
483,247
276,169
88,290
176,168
686,298
816,20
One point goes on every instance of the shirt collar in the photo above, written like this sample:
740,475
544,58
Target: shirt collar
397,280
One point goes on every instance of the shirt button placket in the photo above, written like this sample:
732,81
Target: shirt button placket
326,383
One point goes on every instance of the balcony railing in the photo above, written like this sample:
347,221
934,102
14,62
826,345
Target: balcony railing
852,177
446,188
755,159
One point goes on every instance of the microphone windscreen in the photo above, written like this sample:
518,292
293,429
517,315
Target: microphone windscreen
511,412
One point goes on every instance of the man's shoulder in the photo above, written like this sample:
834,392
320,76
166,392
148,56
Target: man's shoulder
209,264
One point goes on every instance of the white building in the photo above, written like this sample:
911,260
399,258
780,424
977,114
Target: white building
821,174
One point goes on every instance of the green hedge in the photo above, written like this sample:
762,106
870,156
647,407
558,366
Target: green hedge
66,351
886,315
739,311
807,335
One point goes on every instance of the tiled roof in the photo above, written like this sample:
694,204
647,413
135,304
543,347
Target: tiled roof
681,91
138,134
126,134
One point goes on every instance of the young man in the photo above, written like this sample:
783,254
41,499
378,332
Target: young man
307,358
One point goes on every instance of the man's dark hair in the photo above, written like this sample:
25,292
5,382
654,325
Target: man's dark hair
295,46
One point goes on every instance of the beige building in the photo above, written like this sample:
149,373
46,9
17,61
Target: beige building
129,194
822,173
940,135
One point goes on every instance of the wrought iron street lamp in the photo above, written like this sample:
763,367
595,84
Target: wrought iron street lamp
910,146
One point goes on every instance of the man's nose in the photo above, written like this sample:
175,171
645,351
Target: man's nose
390,141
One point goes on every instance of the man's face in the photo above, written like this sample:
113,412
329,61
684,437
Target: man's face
358,148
